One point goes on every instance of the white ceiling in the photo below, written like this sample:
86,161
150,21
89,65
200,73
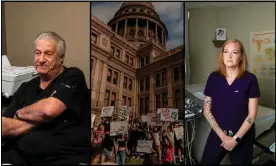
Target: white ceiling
190,5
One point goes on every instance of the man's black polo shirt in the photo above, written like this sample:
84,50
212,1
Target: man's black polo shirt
65,139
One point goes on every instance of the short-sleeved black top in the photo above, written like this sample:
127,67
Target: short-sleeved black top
65,139
230,102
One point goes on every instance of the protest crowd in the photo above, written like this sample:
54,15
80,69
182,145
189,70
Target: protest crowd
137,142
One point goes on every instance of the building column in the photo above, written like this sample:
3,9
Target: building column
135,108
116,28
120,95
156,33
136,28
162,37
181,111
151,92
125,32
170,89
95,83
102,85
147,31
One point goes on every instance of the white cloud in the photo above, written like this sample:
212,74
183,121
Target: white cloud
169,10
171,13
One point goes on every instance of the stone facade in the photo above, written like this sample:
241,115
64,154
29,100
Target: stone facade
131,65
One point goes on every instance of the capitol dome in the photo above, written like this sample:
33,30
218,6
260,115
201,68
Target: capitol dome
138,22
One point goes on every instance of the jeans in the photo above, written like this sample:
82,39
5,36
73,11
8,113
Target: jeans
121,157
174,161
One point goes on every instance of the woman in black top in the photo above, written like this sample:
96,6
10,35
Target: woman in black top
121,150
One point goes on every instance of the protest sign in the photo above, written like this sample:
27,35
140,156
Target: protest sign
93,120
107,111
179,132
124,113
151,119
165,114
117,128
174,115
144,146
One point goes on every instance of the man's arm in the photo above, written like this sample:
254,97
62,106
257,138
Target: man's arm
248,122
14,127
210,118
42,111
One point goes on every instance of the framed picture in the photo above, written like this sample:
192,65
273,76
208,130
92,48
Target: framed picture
220,34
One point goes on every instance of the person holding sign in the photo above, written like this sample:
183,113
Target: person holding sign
149,156
100,134
170,135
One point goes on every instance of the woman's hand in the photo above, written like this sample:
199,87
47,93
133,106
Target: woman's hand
229,143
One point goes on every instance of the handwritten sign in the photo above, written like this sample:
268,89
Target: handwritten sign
144,146
107,111
165,114
117,128
124,113
151,119
179,132
174,115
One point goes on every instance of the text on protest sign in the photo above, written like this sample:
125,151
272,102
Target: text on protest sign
174,115
144,146
165,114
117,128
124,113
107,111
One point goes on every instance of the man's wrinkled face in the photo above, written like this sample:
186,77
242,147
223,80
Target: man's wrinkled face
46,59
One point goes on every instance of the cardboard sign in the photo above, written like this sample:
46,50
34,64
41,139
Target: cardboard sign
124,113
117,128
151,119
174,115
107,111
165,114
144,146
179,132
93,120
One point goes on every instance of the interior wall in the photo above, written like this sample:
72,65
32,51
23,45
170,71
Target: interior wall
251,17
202,53
3,31
71,20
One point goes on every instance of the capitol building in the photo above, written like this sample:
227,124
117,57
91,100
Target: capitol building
131,64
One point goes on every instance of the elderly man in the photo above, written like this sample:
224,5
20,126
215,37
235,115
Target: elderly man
48,120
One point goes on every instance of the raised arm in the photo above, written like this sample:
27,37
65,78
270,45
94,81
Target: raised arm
210,118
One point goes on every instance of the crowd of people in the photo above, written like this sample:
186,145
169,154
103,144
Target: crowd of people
121,149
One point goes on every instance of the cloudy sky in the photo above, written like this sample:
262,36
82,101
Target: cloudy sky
171,13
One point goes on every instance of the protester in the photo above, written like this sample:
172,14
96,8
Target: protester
124,146
120,149
178,145
158,145
168,159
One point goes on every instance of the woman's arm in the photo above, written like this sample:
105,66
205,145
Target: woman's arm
210,118
252,114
